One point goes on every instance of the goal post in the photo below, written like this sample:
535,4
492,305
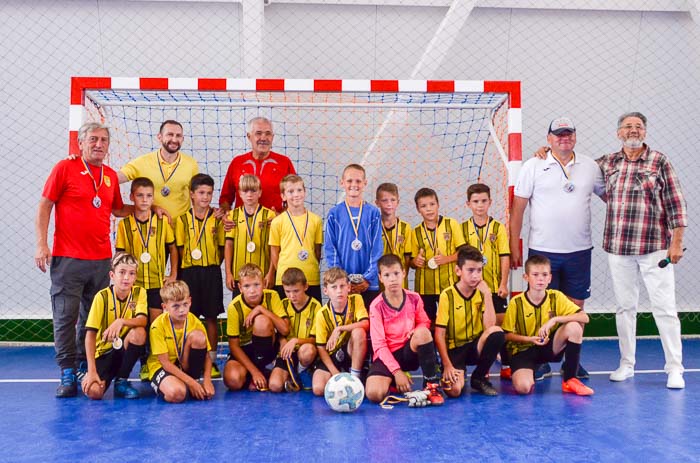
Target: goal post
416,133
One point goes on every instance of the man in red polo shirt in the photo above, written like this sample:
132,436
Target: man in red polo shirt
268,166
84,193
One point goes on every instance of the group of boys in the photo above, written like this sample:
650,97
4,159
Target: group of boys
280,335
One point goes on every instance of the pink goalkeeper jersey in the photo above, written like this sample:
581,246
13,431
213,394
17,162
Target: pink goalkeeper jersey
389,327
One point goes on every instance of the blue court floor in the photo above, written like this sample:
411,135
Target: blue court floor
635,421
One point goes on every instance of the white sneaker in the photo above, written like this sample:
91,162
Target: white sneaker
622,373
675,380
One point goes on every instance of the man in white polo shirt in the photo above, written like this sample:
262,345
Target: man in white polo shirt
558,190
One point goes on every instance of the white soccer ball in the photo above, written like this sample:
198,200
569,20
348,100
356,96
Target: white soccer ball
344,392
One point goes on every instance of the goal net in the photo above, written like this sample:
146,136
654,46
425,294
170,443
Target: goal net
439,134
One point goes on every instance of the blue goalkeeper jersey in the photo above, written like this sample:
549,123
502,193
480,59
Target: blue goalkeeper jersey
340,234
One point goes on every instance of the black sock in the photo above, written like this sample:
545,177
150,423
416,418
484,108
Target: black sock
572,355
426,359
196,360
492,346
505,356
131,355
146,350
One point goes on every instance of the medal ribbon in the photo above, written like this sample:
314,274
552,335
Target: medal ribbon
144,241
94,182
481,241
387,236
250,229
180,351
200,232
306,226
160,166
433,243
355,226
563,169
126,304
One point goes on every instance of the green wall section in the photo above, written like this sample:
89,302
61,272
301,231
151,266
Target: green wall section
600,325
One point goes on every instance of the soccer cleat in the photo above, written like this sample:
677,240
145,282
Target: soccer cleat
543,371
122,388
81,372
675,380
582,373
143,374
506,374
68,386
575,386
306,378
215,372
483,386
435,396
622,373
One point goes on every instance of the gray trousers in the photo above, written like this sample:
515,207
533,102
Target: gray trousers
74,283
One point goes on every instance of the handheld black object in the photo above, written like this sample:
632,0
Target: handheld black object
666,261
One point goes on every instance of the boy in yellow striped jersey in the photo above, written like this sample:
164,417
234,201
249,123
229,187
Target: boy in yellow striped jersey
490,237
200,243
247,241
396,233
298,349
433,250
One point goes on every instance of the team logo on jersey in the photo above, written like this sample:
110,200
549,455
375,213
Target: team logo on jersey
108,181
447,236
552,314
153,231
400,239
308,322
492,237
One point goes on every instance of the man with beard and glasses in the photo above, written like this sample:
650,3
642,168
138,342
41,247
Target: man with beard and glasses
169,169
644,224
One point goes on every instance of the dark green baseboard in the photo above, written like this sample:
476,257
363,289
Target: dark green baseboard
26,330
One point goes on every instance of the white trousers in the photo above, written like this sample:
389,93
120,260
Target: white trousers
660,285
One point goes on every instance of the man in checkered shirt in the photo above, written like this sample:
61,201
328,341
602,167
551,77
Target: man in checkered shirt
645,220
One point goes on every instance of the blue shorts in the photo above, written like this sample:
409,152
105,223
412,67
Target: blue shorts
571,272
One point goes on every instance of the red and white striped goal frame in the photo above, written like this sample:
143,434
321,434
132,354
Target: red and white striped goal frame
79,85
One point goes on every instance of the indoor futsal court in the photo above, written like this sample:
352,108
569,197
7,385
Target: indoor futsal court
433,95
638,420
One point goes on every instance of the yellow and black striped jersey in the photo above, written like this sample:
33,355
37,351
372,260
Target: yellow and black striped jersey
156,234
301,321
492,241
239,309
190,237
461,316
446,238
327,319
250,229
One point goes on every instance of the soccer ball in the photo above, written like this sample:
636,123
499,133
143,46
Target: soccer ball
344,392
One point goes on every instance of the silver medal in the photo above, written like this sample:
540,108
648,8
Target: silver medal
356,278
196,254
303,255
165,191
432,264
340,355
484,260
117,343
96,202
250,247
145,257
356,244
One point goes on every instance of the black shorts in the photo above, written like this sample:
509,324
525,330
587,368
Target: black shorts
500,304
466,354
341,359
261,357
206,289
108,365
161,374
430,304
154,300
534,356
408,361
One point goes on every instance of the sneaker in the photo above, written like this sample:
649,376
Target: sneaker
435,396
215,372
68,386
306,378
483,386
506,374
675,380
543,371
575,386
82,371
122,388
144,374
582,373
622,373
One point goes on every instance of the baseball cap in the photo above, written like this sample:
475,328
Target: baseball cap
561,125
